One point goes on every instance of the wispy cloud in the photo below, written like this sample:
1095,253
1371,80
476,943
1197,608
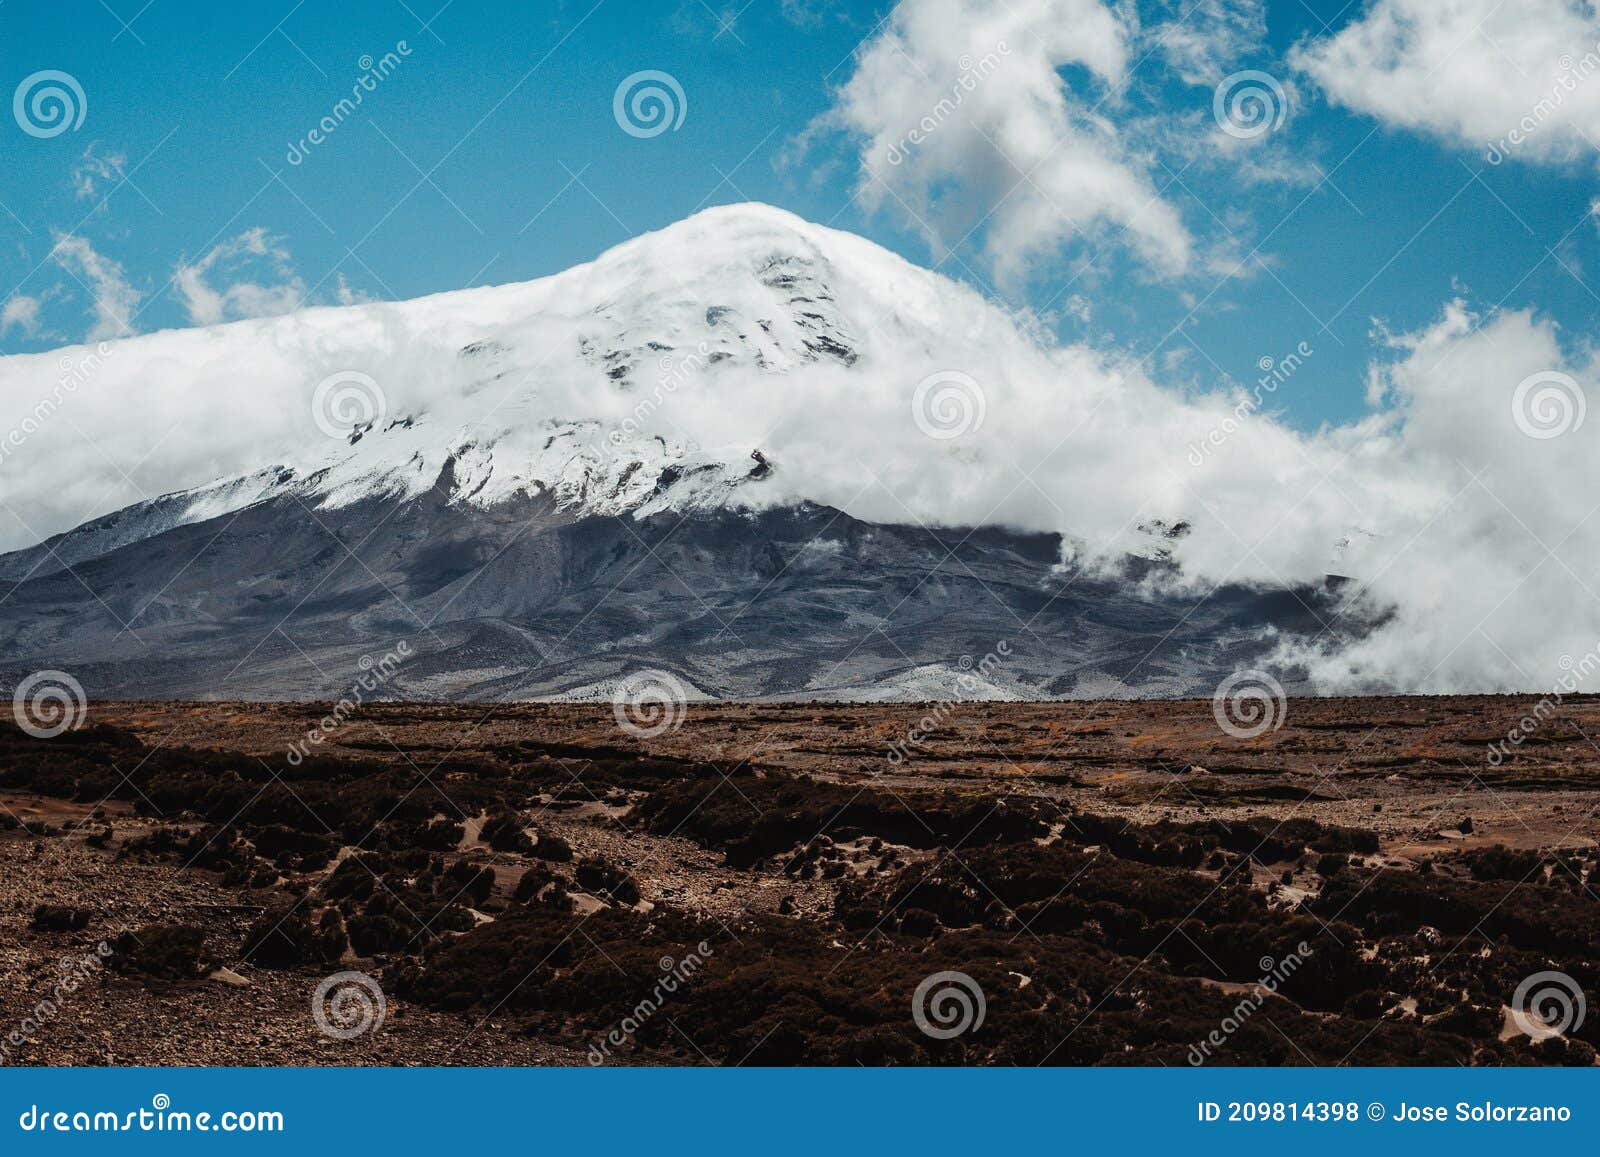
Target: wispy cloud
813,13
95,168
1204,40
277,289
20,312
346,294
114,300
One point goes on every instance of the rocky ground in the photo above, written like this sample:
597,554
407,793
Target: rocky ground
1370,881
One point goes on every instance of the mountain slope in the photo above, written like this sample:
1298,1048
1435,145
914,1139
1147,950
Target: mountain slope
544,487
795,602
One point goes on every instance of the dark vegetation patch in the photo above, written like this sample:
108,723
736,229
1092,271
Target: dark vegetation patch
1095,940
59,918
163,951
289,936
604,879
752,818
774,991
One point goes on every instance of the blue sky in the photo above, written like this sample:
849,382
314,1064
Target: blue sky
490,153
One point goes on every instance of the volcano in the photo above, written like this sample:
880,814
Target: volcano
544,488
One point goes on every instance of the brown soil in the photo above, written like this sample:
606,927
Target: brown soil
1112,876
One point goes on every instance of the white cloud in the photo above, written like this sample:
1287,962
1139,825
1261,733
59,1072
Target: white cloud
208,305
1204,40
812,13
1239,126
346,294
20,312
114,300
1490,578
95,167
965,120
1522,79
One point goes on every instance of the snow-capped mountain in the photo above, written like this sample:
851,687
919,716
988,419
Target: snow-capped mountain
734,449
559,387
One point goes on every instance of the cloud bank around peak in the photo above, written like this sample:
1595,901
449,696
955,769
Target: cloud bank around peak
1488,547
1461,505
